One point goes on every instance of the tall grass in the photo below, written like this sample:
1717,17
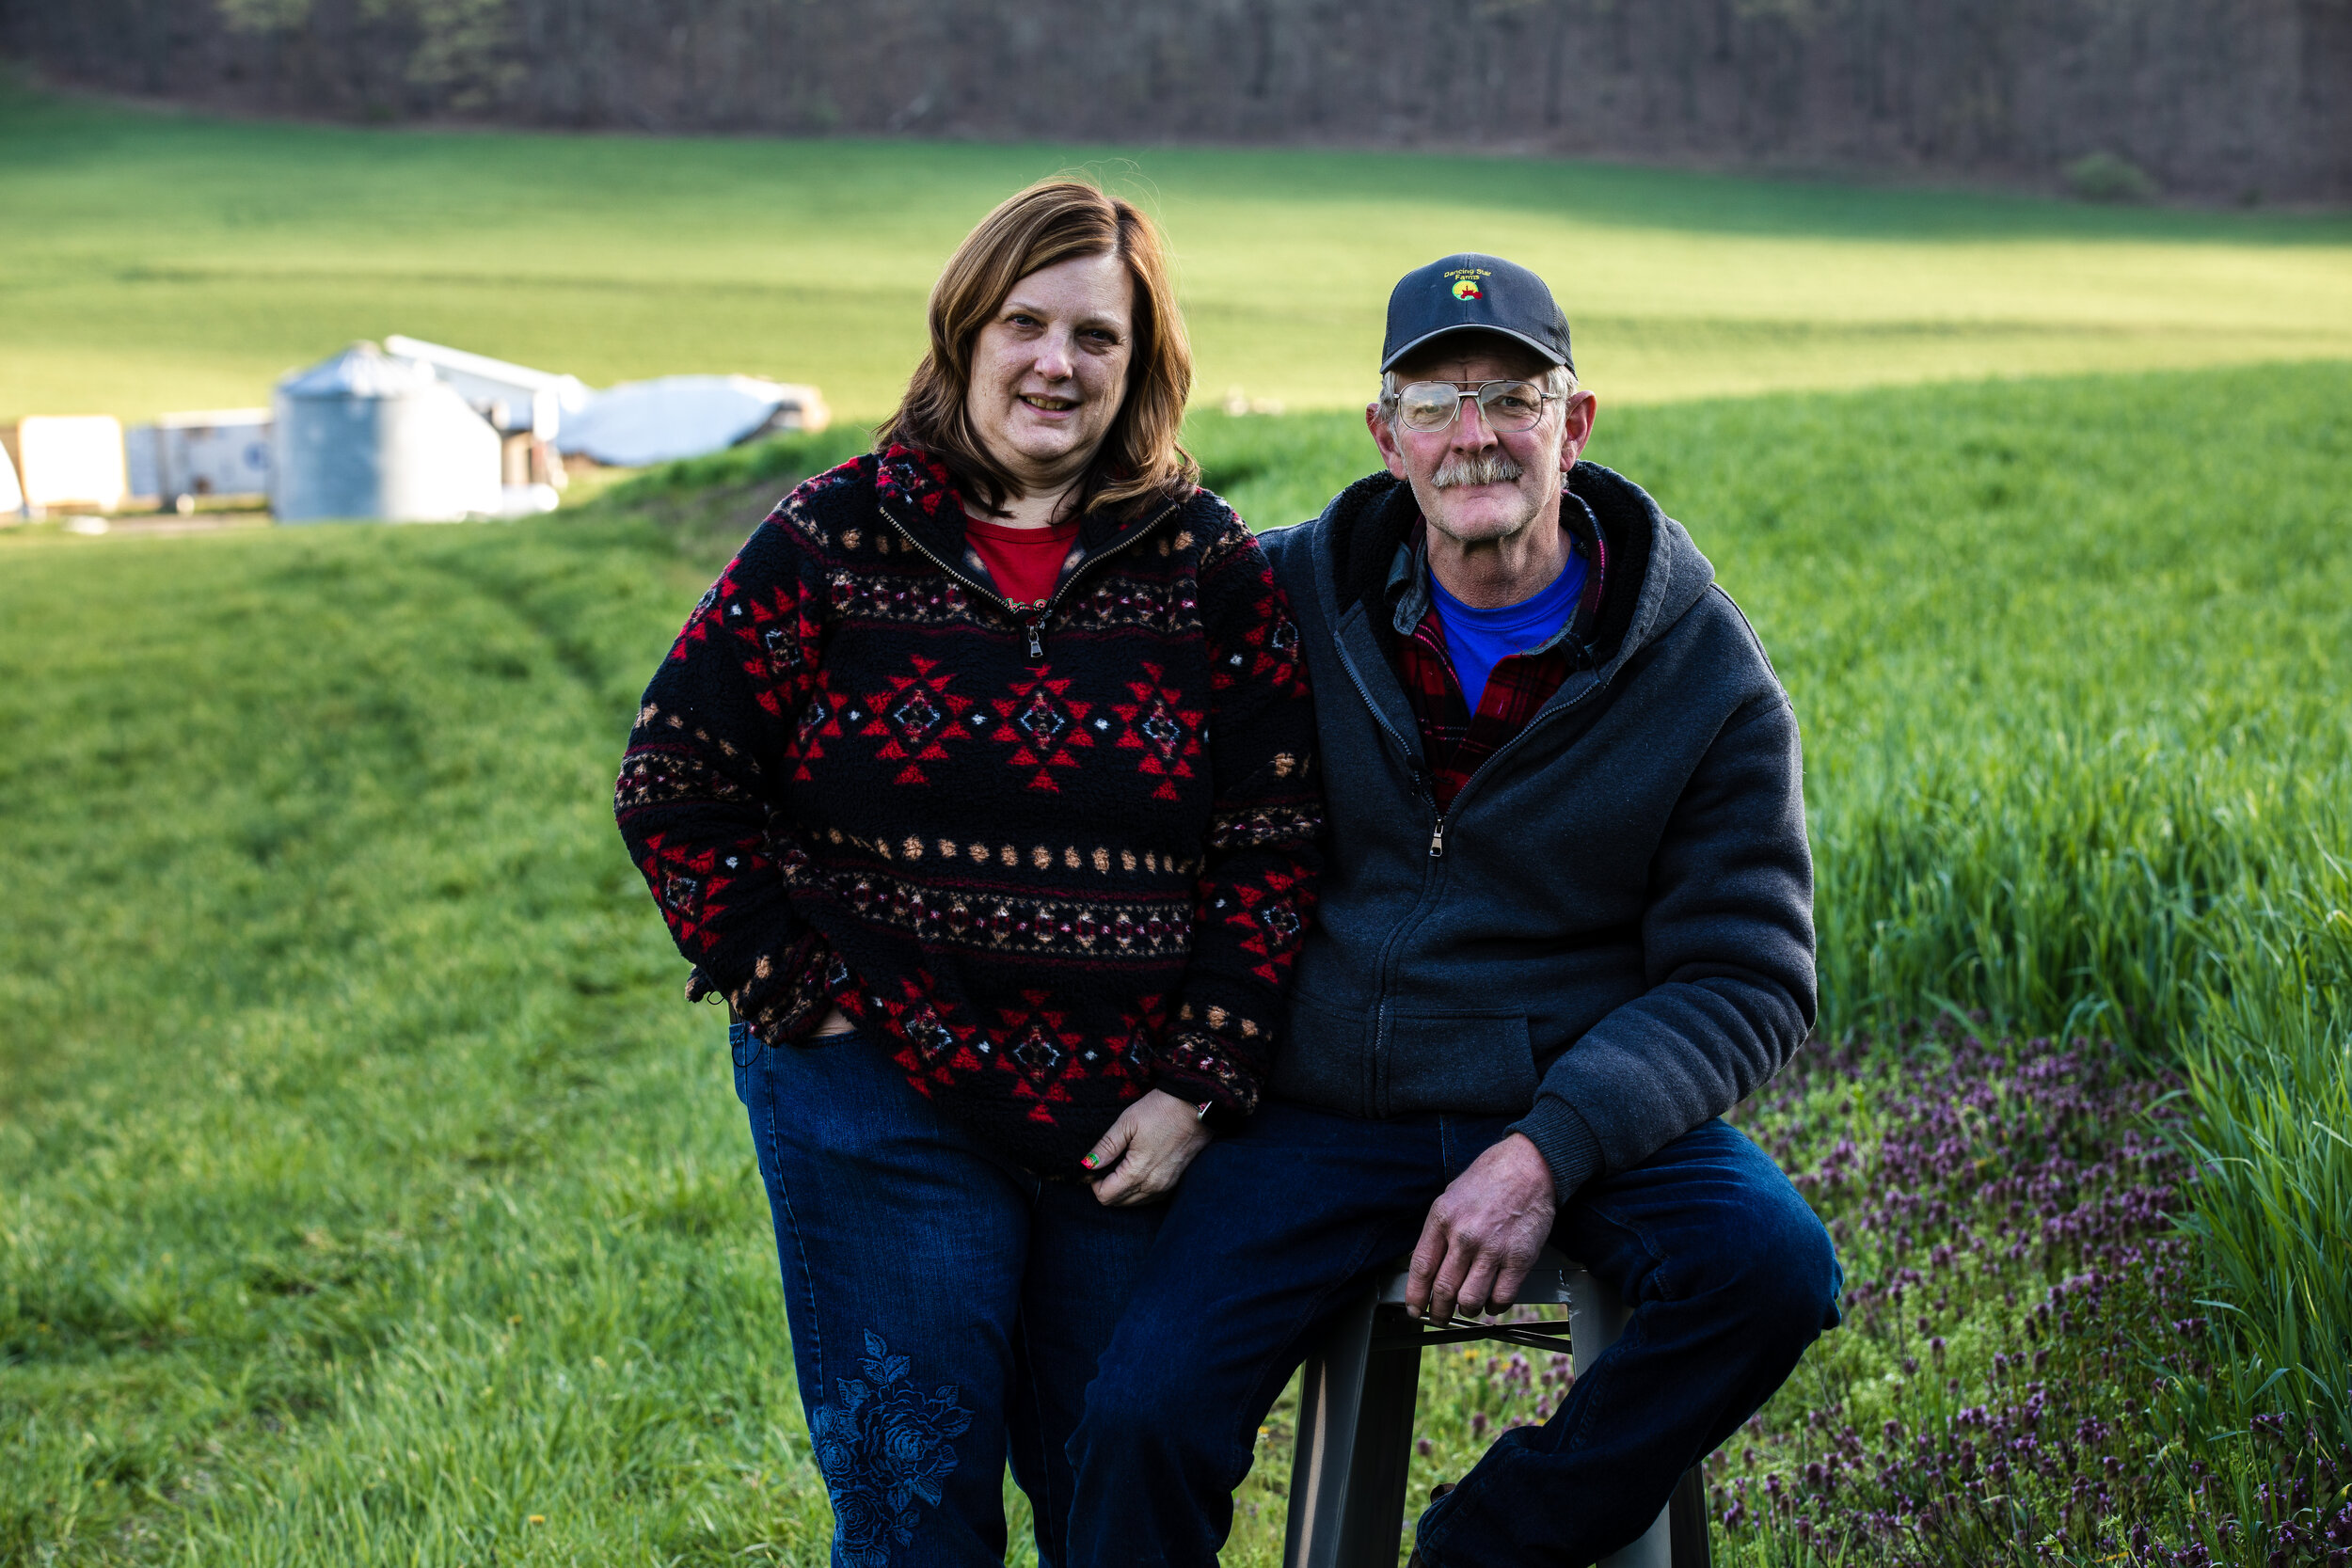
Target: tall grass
2270,1073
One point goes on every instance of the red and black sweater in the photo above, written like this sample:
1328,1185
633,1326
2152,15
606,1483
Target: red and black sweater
1053,858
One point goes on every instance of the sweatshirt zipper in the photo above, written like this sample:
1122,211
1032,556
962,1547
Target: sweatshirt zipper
1437,831
1437,838
1378,717
1421,787
1036,626
1032,622
1437,843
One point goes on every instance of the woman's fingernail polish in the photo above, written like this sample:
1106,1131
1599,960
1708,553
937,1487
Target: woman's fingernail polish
1088,1162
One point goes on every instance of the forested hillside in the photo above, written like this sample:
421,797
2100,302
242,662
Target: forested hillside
2240,101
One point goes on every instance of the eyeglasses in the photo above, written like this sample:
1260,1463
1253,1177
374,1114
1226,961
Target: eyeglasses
1509,406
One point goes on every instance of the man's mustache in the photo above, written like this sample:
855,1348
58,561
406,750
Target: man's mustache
1491,467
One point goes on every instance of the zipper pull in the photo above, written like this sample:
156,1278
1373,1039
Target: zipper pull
1437,840
1037,637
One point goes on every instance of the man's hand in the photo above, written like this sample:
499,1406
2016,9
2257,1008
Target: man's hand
1146,1150
1482,1234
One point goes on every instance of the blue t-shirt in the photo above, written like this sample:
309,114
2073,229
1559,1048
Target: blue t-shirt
1478,640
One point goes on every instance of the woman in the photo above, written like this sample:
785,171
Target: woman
978,785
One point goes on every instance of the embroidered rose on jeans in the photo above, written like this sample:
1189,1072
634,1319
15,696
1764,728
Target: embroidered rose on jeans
881,1445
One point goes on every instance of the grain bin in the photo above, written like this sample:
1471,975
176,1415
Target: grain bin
368,435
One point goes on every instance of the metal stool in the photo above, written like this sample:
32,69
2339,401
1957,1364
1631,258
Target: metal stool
1356,1422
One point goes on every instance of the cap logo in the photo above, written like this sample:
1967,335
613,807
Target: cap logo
1466,285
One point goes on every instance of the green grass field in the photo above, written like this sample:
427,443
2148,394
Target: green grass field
152,262
368,1194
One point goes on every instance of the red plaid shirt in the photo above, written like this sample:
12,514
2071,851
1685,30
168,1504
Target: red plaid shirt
1456,739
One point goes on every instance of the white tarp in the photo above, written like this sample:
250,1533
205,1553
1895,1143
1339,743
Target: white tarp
512,397
11,494
639,422
73,461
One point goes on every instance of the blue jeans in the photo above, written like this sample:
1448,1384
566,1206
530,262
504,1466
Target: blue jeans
947,1307
1280,1227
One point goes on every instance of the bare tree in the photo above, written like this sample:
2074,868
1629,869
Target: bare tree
2213,98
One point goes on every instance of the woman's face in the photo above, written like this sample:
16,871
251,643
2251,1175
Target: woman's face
1049,370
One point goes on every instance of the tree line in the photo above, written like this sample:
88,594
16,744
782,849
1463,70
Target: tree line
2215,99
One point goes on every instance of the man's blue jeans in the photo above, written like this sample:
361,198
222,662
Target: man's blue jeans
946,1307
1280,1227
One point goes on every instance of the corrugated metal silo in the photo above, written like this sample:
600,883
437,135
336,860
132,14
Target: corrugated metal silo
367,436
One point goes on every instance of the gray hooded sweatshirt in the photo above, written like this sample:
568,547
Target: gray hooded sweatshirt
1608,933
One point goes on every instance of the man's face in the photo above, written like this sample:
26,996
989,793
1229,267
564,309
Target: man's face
1474,483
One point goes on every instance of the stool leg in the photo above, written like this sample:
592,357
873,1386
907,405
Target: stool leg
1688,1511
1596,1318
1354,1449
1374,1518
1330,1393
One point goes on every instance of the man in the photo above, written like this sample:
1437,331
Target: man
1566,924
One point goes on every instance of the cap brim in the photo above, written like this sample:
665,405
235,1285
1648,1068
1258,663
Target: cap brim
1545,349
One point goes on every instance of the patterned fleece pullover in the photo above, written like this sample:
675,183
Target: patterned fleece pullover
1048,859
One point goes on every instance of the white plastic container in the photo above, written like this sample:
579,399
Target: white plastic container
222,452
69,462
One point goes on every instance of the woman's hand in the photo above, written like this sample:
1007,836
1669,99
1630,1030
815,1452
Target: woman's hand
1142,1156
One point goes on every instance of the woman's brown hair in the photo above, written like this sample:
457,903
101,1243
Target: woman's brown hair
1053,221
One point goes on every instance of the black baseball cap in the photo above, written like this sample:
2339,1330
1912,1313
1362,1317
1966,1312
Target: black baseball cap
1470,293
